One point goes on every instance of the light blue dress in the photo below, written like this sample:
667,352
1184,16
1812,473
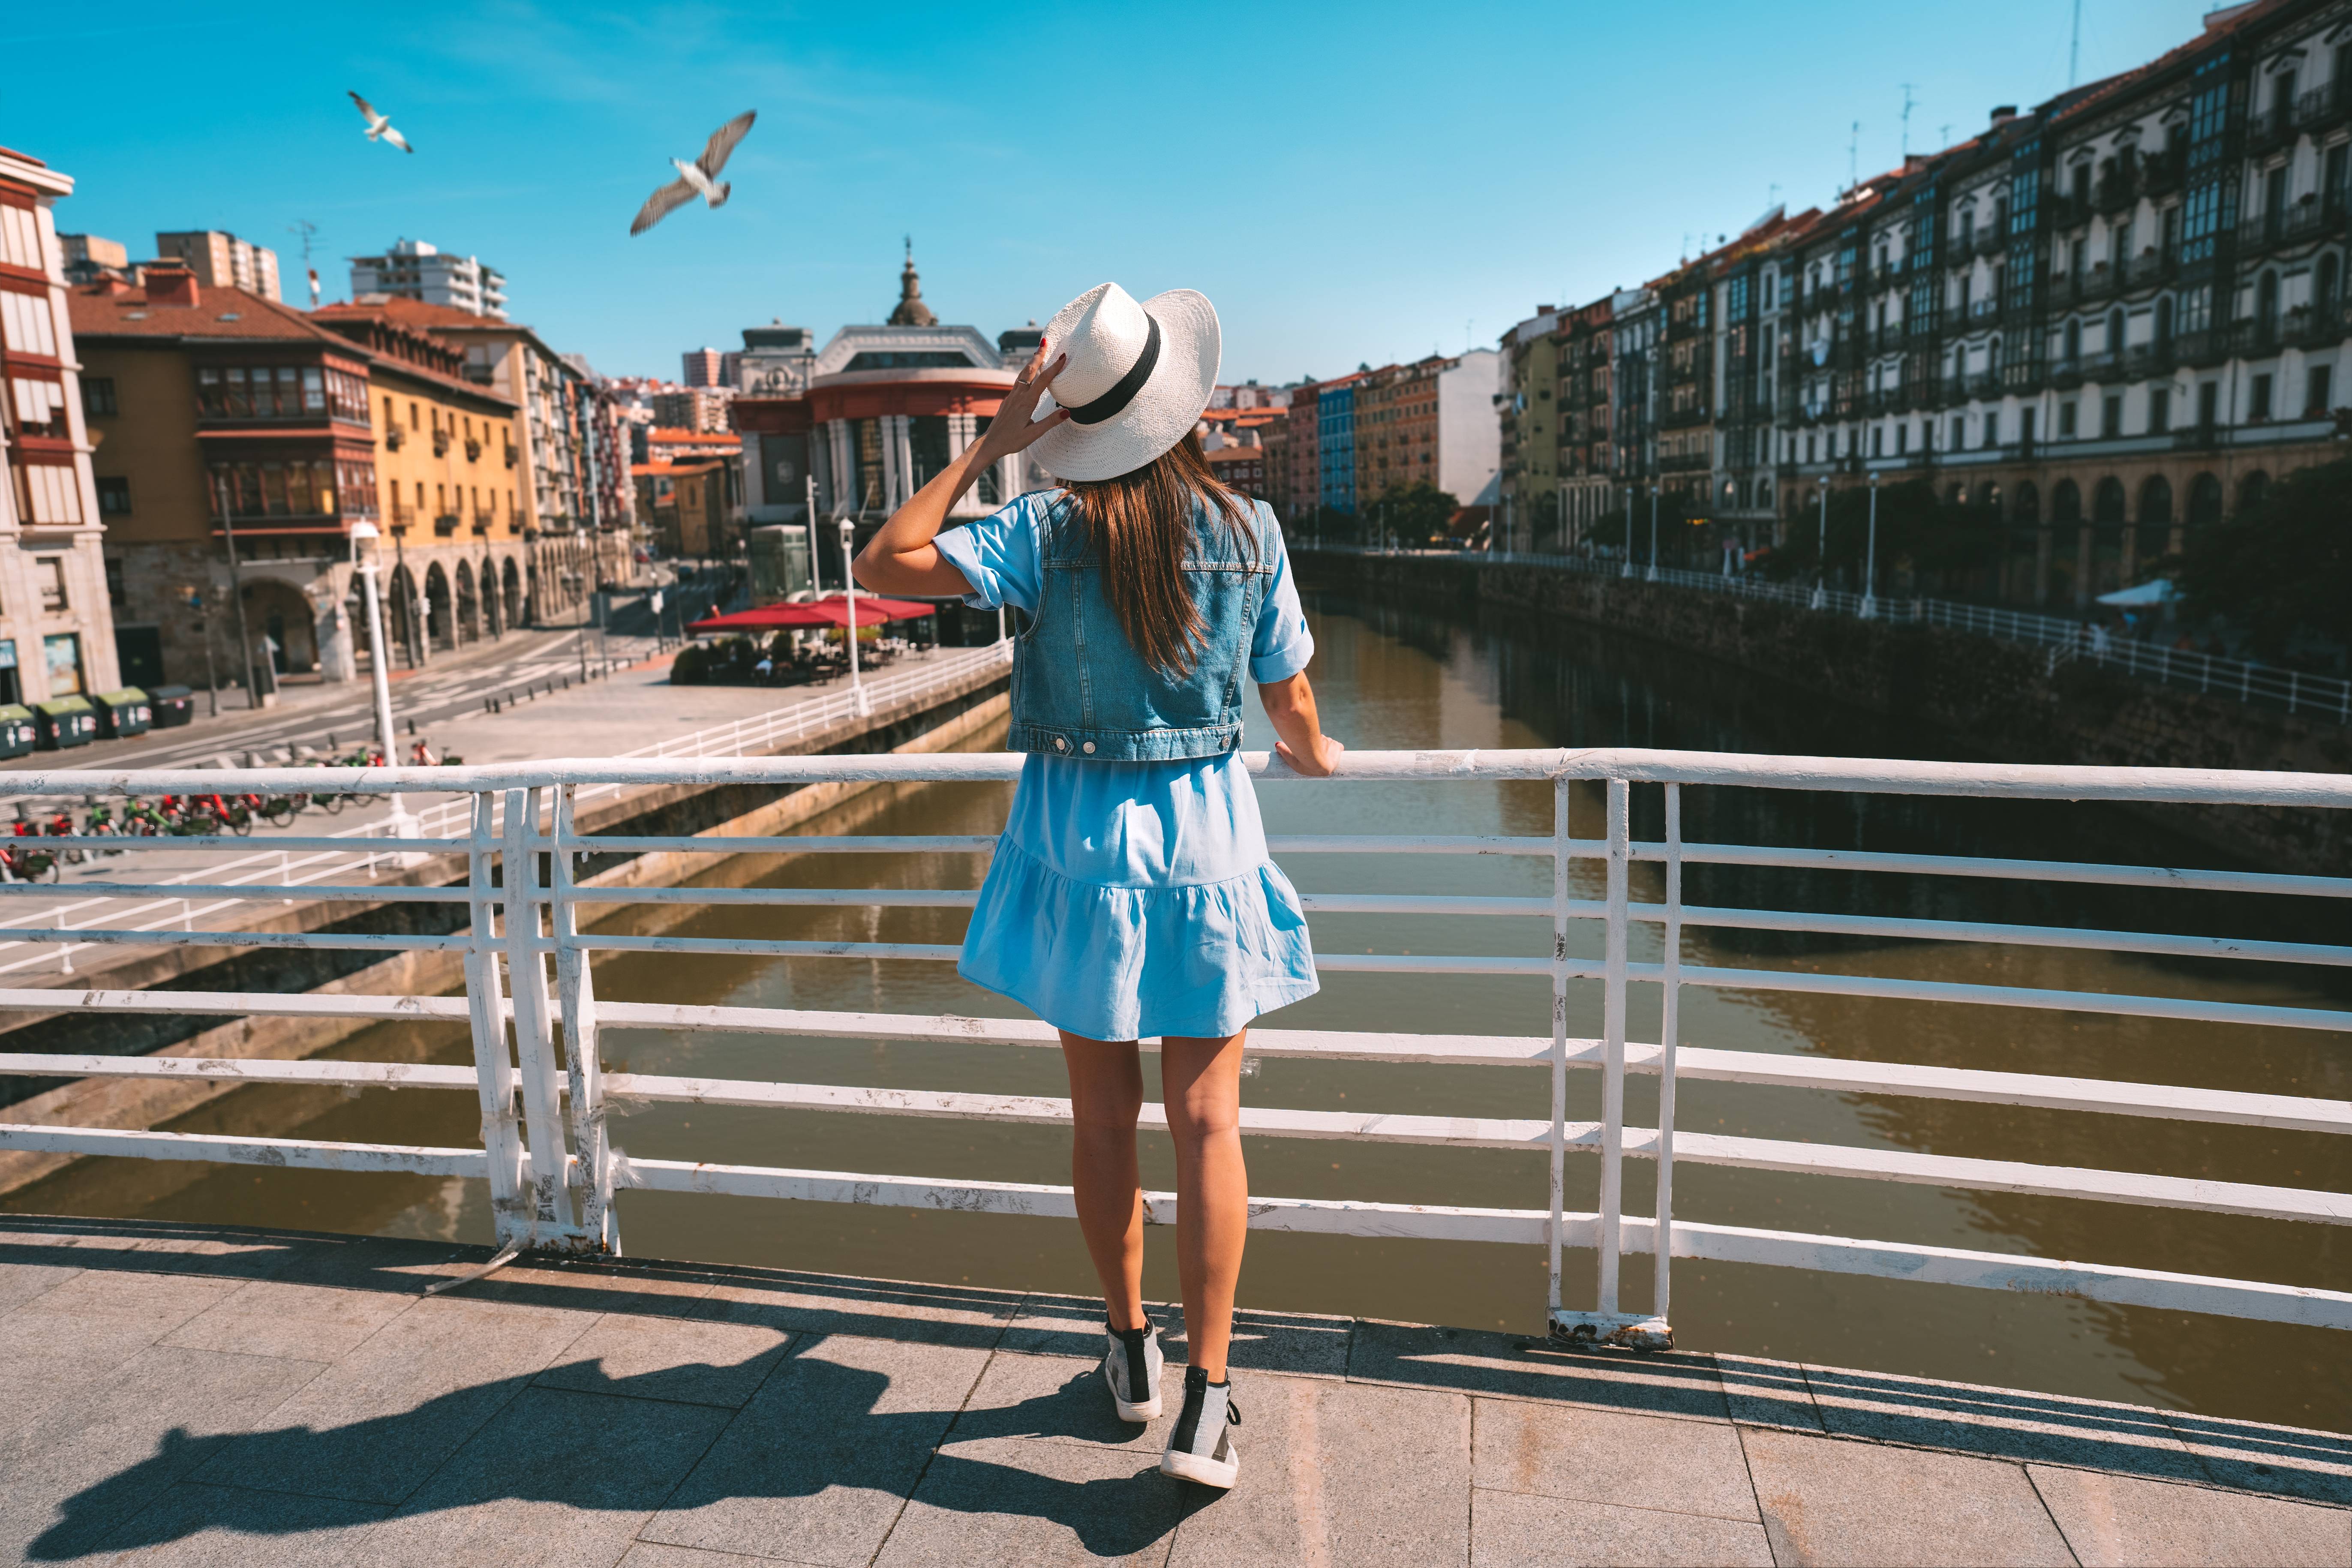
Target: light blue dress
1127,900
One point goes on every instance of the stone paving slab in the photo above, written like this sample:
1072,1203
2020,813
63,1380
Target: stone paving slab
188,1394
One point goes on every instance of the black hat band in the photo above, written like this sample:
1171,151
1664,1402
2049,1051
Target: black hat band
1112,404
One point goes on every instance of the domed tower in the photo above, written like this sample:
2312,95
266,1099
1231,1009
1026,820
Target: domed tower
911,311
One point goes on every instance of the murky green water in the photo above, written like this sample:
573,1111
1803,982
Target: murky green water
1388,678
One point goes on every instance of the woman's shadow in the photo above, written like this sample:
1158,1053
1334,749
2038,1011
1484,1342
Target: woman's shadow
813,1426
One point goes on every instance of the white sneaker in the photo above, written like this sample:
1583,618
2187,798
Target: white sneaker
1131,1368
1201,1448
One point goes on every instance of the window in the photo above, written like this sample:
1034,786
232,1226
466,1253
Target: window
1993,428
26,325
113,496
40,406
2258,400
1960,431
98,395
2160,410
2111,417
63,655
49,579
1878,441
2209,395
2318,389
114,589
1902,438
2066,418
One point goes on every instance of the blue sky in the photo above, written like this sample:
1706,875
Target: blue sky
1348,183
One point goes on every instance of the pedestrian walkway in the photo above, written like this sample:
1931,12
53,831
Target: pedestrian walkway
198,1393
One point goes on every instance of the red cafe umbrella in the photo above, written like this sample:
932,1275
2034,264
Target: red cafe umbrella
872,610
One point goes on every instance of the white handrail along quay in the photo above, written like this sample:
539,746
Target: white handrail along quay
531,1002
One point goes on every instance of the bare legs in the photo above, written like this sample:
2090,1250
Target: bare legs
1201,1084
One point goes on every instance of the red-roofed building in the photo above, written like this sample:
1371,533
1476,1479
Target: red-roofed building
56,629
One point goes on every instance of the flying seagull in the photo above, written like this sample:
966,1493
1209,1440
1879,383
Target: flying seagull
378,128
695,179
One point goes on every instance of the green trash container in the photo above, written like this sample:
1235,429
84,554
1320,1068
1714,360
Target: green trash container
124,713
65,722
17,734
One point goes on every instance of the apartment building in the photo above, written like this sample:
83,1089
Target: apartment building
1529,444
221,260
57,623
1334,417
414,269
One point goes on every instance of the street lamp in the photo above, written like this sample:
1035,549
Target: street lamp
1870,560
364,533
1654,534
1822,561
1627,569
849,577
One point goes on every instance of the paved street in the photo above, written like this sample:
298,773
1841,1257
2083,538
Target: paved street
184,1394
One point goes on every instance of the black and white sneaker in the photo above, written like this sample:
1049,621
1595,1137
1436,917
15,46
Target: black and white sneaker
1202,1448
1132,1369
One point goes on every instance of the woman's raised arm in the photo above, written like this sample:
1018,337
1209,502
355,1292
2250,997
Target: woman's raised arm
900,558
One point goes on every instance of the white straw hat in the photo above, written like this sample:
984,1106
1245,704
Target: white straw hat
1139,378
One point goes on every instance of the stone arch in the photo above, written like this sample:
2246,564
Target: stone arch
2205,499
2254,490
510,582
1989,498
2066,502
469,604
440,626
2028,506
1956,495
281,613
493,619
2156,499
2108,501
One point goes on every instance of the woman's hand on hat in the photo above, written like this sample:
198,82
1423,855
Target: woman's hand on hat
1013,428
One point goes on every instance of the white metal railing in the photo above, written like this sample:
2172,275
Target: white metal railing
307,862
2296,692
528,951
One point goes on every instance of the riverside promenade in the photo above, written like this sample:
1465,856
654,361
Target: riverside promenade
208,1395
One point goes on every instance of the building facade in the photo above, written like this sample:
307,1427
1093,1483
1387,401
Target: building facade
1335,418
228,411
57,625
414,270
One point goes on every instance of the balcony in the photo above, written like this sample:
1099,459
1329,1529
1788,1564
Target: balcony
2066,375
2101,366
2022,377
2325,106
1984,383
403,515
1955,390
1888,339
1990,240
2270,128
473,450
2096,284
2116,192
1983,310
2305,328
2253,338
2201,350
2161,174
2070,211
440,442
394,439
445,524
2150,267
2150,360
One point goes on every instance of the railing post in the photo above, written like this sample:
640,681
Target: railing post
534,1034
576,994
1669,1030
486,1007
1612,1077
1559,1151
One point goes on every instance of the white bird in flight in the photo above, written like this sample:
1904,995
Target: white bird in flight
696,179
378,128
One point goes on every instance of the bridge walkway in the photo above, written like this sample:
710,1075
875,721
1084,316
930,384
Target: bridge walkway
179,1394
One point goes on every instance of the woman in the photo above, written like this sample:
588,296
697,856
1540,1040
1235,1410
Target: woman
1130,895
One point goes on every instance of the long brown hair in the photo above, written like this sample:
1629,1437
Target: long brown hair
1140,525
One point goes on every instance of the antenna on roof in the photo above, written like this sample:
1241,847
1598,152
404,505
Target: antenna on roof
2075,47
1906,122
306,228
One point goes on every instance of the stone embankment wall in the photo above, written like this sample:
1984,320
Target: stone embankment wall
2003,702
934,722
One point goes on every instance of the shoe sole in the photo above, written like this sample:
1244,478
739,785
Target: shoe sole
1147,1411
1206,1472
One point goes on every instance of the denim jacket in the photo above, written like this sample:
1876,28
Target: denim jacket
1079,687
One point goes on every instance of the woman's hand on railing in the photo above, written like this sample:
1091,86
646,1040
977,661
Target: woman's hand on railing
1325,760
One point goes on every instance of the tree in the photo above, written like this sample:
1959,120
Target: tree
1416,513
2283,570
1915,531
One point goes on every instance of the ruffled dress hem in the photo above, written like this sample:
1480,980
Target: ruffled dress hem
1122,963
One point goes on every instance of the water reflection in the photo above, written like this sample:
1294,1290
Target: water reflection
1394,678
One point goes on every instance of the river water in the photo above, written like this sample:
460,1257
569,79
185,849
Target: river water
1393,677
